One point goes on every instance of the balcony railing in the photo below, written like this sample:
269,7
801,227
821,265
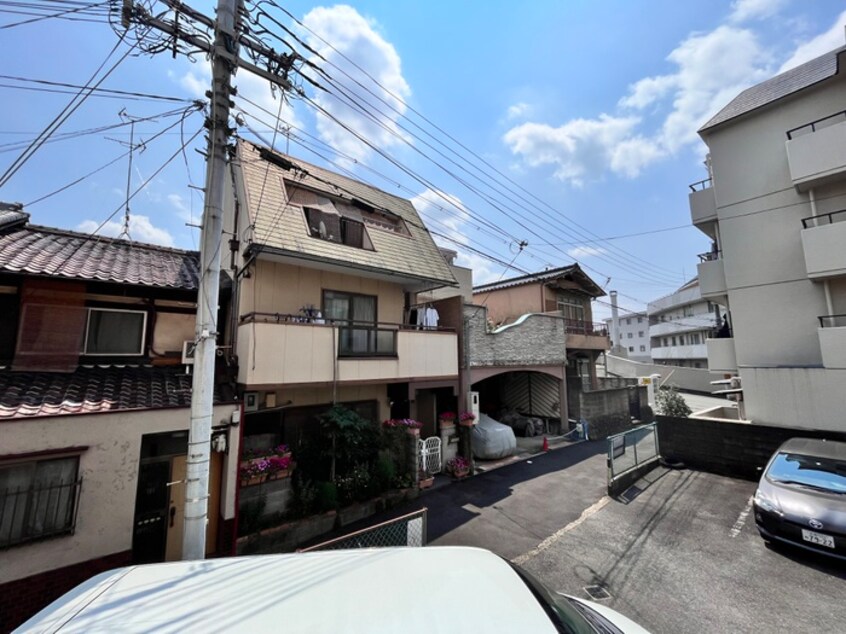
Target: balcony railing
579,327
37,512
698,186
832,321
813,126
824,219
710,256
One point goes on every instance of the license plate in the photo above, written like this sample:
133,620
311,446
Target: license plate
818,538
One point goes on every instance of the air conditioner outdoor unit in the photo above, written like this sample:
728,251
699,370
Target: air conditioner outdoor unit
188,348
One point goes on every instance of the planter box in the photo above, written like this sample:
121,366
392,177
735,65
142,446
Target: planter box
460,474
425,483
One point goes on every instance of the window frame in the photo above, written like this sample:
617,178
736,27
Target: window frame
74,486
143,345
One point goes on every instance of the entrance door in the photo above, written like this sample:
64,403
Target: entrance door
151,504
176,510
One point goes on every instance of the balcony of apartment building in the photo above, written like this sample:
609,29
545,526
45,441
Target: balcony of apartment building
823,237
299,349
816,151
586,335
703,207
712,276
832,333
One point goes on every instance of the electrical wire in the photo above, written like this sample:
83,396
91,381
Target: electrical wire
86,9
98,92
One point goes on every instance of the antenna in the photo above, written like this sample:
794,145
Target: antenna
126,213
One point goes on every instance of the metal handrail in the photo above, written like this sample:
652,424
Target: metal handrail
710,256
831,321
702,185
350,537
577,326
814,221
280,318
813,124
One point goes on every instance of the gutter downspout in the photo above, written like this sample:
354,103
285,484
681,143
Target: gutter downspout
828,303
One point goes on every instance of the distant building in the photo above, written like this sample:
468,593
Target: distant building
679,325
774,207
633,337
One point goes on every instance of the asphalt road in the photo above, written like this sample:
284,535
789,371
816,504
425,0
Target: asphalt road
680,556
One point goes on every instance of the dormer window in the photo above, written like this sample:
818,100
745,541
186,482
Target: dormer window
336,228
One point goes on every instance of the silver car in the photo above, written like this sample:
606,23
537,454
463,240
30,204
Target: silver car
801,498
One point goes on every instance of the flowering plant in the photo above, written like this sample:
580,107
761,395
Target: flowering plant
281,449
459,463
254,469
467,416
447,416
277,464
403,423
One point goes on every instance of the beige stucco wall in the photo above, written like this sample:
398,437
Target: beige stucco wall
283,288
109,470
304,396
507,304
306,353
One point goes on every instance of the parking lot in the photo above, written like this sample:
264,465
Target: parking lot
684,556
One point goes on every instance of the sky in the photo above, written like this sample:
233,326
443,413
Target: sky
528,136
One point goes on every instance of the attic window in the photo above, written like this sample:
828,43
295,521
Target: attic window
335,228
380,219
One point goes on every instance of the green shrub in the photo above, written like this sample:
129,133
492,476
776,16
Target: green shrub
384,471
669,402
326,498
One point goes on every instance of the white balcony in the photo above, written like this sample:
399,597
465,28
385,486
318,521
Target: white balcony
816,153
300,353
823,243
703,208
721,355
712,280
669,353
833,345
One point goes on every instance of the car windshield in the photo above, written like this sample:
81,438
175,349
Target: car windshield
818,473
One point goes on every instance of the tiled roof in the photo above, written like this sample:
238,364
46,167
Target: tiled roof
780,86
56,252
544,276
92,389
12,214
282,226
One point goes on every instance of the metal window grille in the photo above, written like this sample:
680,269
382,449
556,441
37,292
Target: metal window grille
33,513
407,530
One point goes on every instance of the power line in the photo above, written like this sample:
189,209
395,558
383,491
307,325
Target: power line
97,92
86,9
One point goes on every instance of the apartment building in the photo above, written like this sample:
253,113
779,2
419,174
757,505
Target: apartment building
679,325
632,336
774,207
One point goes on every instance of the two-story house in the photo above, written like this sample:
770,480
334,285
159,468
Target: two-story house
327,270
94,410
774,209
554,344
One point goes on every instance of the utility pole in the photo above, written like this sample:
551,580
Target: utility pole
224,54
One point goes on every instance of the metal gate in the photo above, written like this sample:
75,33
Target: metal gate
430,454
631,449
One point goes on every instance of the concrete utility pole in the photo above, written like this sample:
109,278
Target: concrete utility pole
615,322
205,332
228,38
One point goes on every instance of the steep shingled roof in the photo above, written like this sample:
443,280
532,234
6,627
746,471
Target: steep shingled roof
781,86
281,226
36,250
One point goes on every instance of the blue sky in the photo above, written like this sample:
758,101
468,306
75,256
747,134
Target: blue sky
581,118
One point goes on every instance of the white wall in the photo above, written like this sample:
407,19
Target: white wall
684,378
109,470
628,325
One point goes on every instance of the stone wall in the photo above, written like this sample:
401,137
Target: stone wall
533,339
607,411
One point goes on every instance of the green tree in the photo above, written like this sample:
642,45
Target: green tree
669,402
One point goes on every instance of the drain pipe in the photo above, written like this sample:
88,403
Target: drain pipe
828,303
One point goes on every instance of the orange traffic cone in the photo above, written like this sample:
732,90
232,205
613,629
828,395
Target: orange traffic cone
545,444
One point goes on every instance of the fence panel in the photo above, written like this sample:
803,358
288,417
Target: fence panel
631,449
407,530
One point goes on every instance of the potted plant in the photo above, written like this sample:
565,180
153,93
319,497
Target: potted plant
458,467
409,424
446,420
467,419
425,479
279,467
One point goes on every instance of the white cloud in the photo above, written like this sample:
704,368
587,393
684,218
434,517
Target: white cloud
579,149
745,10
183,209
356,38
581,252
141,229
823,43
710,69
518,110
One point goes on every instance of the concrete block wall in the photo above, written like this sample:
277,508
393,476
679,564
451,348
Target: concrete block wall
729,448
